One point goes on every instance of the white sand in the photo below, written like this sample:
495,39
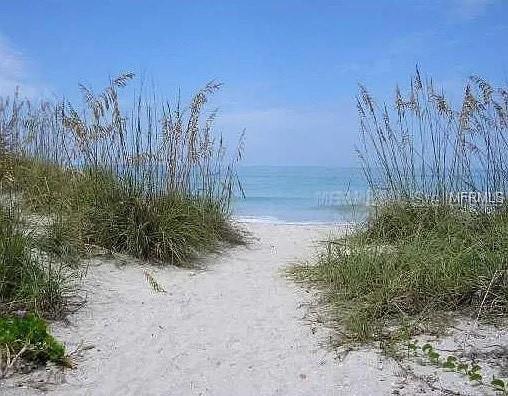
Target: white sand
237,328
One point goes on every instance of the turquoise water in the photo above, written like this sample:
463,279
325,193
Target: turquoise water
301,194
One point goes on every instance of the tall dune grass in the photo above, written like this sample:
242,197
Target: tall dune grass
420,254
152,180
423,144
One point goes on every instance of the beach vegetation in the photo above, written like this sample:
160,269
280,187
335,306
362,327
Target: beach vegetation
153,181
27,338
423,256
30,279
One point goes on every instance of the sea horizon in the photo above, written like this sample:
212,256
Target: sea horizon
300,194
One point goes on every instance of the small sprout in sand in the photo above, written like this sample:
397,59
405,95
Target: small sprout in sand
499,385
156,286
450,363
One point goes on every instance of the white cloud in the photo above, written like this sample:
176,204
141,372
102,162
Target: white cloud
14,72
470,9
283,136
11,67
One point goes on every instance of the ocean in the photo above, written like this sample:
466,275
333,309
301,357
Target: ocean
301,194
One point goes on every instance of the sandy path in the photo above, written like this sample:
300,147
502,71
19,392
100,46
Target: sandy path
235,329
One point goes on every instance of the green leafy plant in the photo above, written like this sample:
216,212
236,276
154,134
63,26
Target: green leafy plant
27,338
499,385
451,363
471,370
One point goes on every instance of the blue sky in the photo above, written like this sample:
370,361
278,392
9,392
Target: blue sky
290,68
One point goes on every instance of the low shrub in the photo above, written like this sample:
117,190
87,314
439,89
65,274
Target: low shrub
29,338
172,228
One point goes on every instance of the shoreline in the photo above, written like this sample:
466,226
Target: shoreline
275,221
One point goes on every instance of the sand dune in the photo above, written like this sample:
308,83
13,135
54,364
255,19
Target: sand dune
236,328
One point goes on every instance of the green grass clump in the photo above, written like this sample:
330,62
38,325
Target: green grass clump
411,263
27,281
96,207
152,181
116,215
42,184
31,334
403,220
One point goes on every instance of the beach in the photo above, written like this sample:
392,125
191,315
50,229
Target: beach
237,326
281,199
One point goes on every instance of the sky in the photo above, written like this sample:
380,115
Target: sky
290,69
